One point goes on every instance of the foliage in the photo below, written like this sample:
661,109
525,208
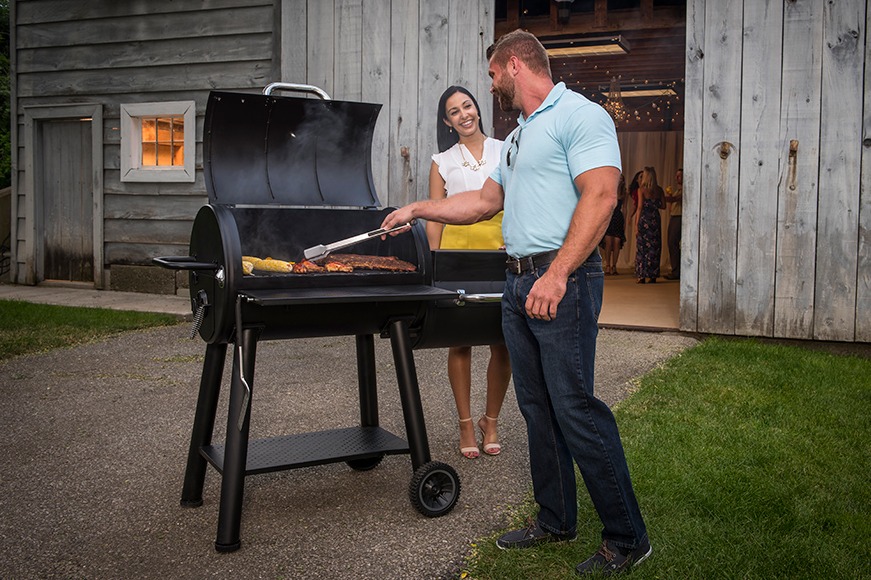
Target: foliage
749,460
28,328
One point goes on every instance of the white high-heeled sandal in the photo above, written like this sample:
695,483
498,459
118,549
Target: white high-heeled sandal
494,448
469,452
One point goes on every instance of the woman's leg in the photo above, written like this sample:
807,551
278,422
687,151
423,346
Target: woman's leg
460,377
498,377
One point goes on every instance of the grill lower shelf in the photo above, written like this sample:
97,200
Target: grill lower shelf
317,448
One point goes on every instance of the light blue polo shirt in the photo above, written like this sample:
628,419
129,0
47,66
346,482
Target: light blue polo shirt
566,136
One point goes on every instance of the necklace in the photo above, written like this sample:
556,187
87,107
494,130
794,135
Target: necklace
472,166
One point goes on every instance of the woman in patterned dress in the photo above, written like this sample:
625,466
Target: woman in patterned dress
648,228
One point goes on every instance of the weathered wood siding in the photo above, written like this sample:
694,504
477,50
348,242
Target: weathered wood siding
109,53
400,53
776,172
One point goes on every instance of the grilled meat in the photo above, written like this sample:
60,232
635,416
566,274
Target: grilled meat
307,267
362,262
338,267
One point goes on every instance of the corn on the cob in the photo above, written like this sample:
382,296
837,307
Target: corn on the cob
247,267
252,259
270,265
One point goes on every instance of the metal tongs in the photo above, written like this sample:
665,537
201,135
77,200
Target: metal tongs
323,250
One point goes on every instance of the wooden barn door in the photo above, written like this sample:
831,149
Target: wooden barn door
64,194
65,188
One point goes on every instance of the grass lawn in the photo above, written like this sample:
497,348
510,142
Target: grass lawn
28,328
749,460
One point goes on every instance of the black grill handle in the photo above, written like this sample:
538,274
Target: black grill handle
184,263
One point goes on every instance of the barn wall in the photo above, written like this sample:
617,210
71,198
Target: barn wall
401,54
109,53
776,172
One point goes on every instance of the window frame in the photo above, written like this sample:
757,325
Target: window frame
132,169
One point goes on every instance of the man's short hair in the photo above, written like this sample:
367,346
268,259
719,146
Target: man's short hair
524,46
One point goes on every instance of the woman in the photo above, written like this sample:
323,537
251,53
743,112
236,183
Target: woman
615,235
648,228
465,159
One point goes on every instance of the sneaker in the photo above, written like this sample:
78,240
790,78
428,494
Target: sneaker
611,560
531,535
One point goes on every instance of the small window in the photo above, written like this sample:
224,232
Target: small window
157,142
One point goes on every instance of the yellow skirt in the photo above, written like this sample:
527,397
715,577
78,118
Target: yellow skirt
486,235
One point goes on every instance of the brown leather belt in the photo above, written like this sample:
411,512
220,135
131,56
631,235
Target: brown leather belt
530,263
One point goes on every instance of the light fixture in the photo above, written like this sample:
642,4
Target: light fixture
563,10
573,45
614,104
643,91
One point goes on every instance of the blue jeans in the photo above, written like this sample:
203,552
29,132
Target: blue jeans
552,364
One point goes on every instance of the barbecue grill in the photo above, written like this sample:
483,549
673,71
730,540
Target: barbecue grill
284,174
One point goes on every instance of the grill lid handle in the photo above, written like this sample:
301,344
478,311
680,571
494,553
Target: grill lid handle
267,90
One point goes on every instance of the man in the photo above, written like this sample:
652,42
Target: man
557,181
675,198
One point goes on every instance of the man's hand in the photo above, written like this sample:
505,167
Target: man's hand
403,215
545,296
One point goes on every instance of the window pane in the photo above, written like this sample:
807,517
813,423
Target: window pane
162,141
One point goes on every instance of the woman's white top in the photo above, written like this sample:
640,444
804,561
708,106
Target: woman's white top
459,178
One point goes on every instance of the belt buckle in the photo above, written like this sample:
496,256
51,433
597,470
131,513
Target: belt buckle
514,266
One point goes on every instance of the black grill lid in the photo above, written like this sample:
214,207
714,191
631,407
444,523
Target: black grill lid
264,149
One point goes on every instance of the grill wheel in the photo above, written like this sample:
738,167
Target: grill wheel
434,489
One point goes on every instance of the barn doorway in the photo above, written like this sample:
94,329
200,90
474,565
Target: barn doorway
629,56
64,176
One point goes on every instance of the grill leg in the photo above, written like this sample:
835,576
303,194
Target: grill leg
236,448
409,393
366,378
204,424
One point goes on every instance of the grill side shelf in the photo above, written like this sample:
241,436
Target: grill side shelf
307,449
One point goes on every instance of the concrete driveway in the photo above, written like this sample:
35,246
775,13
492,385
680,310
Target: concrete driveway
95,442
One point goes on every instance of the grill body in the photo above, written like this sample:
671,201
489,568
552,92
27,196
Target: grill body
284,174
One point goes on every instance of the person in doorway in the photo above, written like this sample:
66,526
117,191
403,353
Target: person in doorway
557,183
615,235
674,197
465,159
648,228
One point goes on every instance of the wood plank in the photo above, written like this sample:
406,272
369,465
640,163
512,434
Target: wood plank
463,56
320,49
254,75
141,254
720,156
692,165
404,103
375,88
294,36
840,154
146,28
39,11
349,47
799,170
486,15
152,207
863,285
436,25
147,231
184,51
759,169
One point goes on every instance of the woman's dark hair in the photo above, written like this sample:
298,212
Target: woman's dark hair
446,137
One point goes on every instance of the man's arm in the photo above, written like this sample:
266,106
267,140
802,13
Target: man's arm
467,207
598,189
